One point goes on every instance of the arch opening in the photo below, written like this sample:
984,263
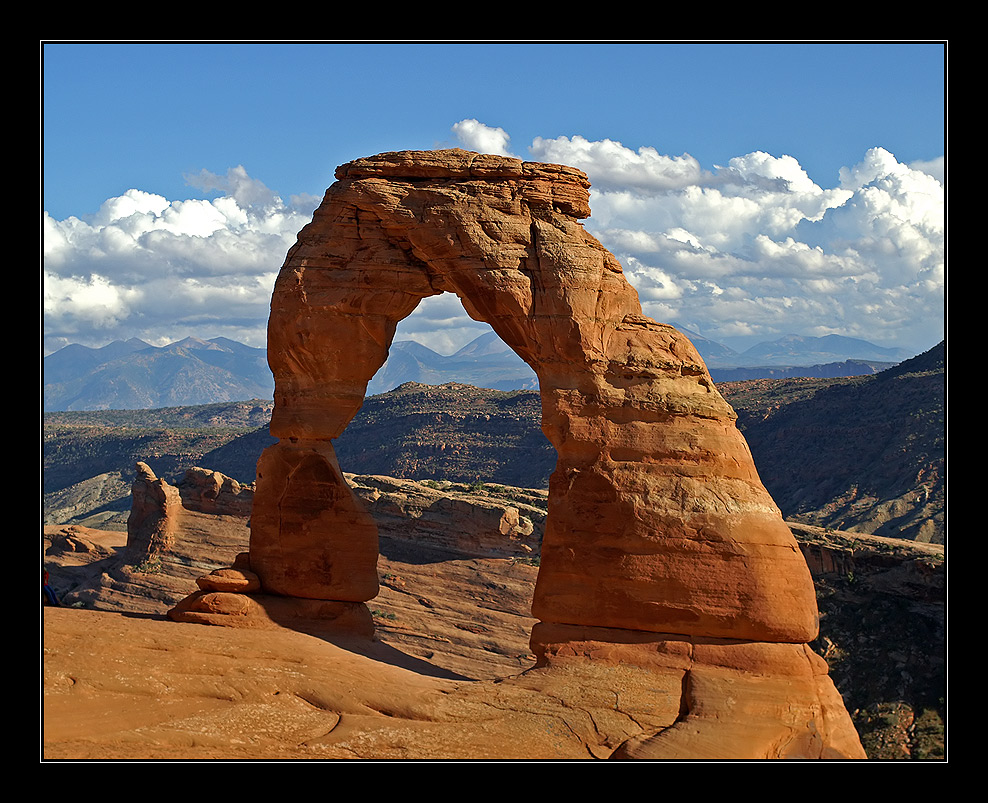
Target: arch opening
463,418
439,343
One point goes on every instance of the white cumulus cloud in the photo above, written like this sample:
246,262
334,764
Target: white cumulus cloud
615,166
144,266
476,136
756,249
753,249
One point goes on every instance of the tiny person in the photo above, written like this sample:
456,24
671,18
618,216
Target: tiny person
47,592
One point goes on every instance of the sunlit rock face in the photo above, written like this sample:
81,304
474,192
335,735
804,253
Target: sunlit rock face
661,549
658,520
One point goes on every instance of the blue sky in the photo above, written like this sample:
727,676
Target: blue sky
265,125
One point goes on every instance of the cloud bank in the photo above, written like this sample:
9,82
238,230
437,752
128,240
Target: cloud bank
751,250
755,249
160,270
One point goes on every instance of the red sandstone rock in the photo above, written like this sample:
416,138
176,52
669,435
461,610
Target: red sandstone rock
657,518
658,529
233,580
733,699
242,610
316,541
447,520
211,492
154,505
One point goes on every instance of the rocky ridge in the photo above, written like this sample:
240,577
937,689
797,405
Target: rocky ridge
878,446
467,435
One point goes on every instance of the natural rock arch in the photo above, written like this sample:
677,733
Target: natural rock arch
658,522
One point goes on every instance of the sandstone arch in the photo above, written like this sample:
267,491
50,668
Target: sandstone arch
658,522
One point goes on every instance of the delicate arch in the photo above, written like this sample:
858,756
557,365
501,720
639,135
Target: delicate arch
657,519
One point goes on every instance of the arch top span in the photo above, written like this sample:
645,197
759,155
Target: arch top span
567,188
657,520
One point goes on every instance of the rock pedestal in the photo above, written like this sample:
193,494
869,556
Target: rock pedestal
154,505
657,523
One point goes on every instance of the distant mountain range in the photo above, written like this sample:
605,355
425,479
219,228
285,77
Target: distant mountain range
132,374
485,362
795,351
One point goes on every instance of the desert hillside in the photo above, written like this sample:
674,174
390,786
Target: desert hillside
865,454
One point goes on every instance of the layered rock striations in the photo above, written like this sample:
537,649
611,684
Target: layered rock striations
660,536
456,520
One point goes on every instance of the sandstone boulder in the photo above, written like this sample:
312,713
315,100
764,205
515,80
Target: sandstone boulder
233,580
212,492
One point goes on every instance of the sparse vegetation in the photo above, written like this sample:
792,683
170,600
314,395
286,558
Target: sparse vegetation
865,453
150,565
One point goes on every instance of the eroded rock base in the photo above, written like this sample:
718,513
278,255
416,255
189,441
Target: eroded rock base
725,699
228,609
231,598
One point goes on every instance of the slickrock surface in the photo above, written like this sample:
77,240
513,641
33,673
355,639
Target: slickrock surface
119,687
450,651
125,688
